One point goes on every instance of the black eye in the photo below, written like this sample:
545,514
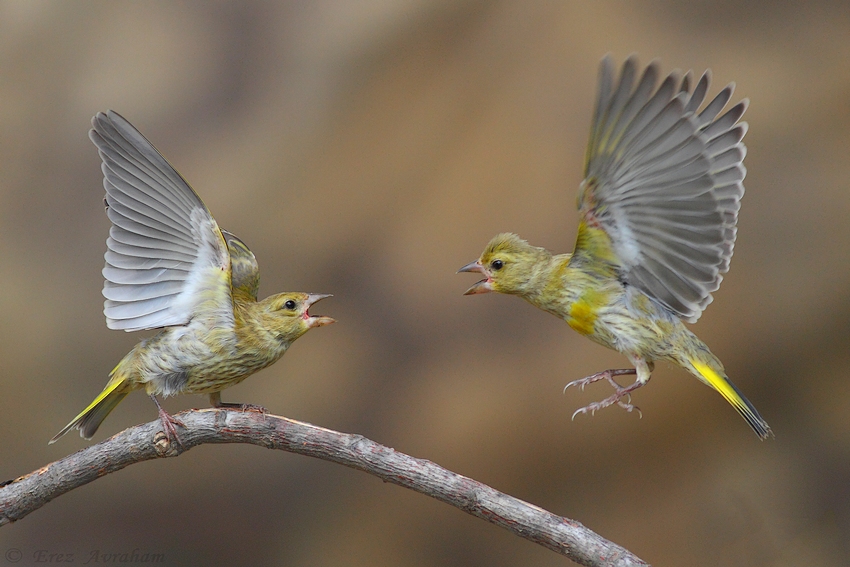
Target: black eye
289,304
497,264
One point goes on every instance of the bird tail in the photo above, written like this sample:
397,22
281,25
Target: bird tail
717,379
90,418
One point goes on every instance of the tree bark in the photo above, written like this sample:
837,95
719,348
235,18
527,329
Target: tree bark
140,443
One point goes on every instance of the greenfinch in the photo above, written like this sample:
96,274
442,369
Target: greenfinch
658,210
169,266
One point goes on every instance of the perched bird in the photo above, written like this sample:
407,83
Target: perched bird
658,211
169,266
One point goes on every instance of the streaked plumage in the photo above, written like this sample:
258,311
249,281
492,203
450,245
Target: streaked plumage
658,211
169,266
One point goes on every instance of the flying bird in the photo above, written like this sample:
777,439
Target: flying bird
658,210
169,266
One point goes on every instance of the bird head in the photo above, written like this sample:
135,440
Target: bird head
287,314
508,264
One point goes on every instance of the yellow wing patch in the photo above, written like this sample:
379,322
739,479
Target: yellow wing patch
595,244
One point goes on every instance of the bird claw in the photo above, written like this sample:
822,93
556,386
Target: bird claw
629,407
243,407
168,422
609,401
604,375
578,411
620,392
256,408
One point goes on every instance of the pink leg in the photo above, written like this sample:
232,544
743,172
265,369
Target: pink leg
642,371
168,422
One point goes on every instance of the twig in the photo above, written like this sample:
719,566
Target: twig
143,442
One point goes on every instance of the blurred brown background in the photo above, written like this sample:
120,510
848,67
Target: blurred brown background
369,149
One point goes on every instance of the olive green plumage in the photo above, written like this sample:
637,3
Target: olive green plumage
658,212
169,266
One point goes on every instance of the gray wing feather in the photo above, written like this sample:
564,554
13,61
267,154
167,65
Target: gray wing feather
123,255
163,244
137,235
121,276
665,182
699,91
142,290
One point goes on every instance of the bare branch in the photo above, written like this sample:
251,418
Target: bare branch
143,442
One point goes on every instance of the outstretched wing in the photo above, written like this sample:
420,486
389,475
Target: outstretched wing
166,259
665,183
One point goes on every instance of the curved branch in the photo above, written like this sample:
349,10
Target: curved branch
147,441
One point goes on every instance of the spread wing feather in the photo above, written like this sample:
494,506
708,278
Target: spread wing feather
665,182
165,253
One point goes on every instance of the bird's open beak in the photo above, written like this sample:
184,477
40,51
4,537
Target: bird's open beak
485,285
318,320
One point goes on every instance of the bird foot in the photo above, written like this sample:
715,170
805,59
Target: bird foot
168,422
620,392
604,375
243,407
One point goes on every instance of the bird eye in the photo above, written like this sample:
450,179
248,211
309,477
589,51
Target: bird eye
497,264
289,304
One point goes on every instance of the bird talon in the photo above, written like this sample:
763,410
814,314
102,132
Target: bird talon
622,395
254,408
168,422
257,409
630,407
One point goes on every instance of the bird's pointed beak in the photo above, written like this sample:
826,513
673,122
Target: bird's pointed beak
472,267
318,320
485,285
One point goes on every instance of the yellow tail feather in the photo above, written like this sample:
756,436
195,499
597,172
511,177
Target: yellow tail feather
730,392
90,418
